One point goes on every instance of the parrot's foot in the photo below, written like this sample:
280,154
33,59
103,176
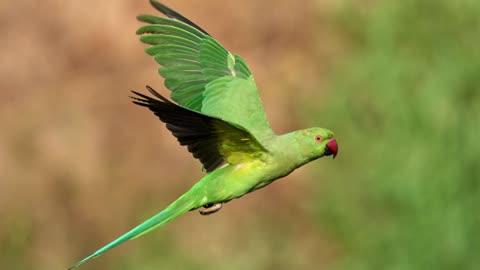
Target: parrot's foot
209,209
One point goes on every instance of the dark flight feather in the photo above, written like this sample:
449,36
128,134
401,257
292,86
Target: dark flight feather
192,129
174,15
210,139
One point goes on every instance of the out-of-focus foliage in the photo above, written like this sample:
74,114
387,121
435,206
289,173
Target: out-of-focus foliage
405,104
396,80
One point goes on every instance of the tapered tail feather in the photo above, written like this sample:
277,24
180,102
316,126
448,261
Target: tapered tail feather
177,208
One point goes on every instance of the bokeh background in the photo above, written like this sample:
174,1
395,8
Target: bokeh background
398,81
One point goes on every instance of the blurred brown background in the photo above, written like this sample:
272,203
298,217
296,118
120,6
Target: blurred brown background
80,164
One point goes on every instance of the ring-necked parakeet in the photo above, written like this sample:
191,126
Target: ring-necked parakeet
219,116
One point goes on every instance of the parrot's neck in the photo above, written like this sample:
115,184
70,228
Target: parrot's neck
288,153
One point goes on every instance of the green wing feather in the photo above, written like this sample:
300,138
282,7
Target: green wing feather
198,70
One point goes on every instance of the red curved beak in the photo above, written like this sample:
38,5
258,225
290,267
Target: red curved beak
331,148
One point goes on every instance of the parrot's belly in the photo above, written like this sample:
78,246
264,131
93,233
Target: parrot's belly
234,181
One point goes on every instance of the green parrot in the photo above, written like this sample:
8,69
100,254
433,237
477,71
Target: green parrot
219,117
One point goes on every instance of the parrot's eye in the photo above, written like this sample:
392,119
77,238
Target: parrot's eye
318,139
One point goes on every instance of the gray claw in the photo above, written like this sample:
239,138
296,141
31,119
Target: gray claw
209,209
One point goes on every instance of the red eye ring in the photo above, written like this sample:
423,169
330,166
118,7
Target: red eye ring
318,139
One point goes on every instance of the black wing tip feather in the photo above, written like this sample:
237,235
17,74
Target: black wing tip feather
146,101
191,128
174,15
140,99
155,93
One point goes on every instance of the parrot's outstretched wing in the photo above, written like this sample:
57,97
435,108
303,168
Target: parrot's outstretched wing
202,75
210,139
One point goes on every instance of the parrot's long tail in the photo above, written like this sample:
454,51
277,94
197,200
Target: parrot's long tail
177,208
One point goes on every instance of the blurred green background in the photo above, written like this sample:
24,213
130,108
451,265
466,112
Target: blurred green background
398,81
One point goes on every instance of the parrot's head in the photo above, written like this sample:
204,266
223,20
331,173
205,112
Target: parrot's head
317,142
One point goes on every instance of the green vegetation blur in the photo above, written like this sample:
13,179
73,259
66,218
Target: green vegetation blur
398,81
406,107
